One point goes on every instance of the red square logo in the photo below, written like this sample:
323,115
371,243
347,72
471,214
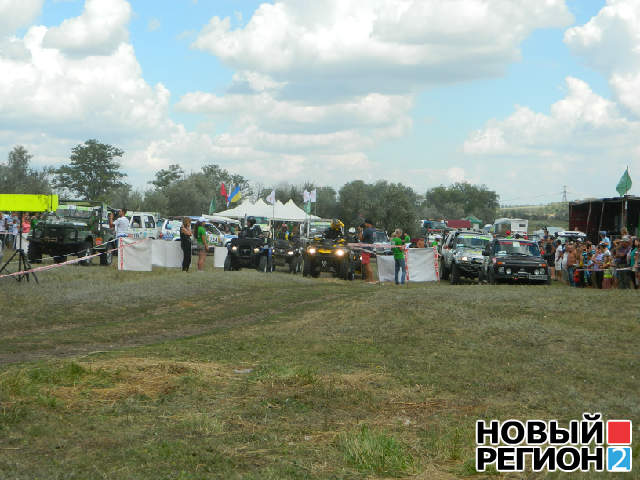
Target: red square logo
618,432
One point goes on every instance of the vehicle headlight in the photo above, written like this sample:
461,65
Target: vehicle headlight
311,251
464,258
508,271
234,248
290,252
501,270
340,252
256,250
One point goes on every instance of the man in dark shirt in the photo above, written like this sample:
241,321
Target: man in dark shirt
368,235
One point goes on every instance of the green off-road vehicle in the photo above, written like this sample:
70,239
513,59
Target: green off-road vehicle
77,228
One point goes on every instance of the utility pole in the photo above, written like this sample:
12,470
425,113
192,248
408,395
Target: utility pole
564,193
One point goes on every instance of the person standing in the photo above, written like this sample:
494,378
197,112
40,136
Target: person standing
398,256
120,225
201,241
368,236
185,243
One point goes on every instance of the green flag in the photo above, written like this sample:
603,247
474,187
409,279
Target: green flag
307,207
212,206
624,185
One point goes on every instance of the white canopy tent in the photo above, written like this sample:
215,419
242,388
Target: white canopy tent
287,212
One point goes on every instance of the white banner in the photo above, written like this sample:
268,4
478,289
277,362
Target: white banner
420,263
166,254
135,254
219,256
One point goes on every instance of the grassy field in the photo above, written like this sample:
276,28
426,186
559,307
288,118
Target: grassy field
167,375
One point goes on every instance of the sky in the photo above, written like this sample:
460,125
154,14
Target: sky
526,97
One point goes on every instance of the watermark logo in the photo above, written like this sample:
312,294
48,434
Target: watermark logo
513,446
619,449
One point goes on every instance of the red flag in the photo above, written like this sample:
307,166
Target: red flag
223,191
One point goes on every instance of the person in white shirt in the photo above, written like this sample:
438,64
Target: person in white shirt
121,224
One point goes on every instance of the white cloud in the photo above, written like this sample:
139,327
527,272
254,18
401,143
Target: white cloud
381,45
610,42
17,13
100,30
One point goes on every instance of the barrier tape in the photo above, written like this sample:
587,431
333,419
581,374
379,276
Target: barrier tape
69,262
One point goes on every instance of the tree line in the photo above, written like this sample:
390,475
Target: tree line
94,173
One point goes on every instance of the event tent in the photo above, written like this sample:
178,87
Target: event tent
287,212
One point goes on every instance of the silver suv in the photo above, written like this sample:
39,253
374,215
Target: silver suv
461,255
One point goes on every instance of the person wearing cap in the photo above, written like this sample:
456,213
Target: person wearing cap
368,236
604,238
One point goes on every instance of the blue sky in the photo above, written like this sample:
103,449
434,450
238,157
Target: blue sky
486,91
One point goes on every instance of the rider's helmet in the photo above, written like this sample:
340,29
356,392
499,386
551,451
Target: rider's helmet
251,221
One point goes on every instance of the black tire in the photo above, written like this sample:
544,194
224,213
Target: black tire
315,273
263,265
455,274
480,276
85,252
444,274
35,254
548,280
492,277
306,268
106,258
344,269
227,264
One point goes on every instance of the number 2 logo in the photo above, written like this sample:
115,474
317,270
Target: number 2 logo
619,459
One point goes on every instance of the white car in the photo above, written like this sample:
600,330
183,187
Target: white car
170,230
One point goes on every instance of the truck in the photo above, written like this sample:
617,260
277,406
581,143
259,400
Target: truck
513,225
77,228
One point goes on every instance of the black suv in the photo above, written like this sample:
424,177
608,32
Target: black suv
514,260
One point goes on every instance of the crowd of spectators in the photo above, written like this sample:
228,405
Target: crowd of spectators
583,264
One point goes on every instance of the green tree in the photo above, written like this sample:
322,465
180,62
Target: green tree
93,171
462,199
166,177
17,176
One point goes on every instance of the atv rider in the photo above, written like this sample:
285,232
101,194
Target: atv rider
334,232
251,230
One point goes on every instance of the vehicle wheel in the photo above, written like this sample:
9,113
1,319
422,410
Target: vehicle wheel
85,252
455,274
548,280
480,276
60,259
106,258
306,268
444,274
263,265
492,277
315,273
35,254
227,264
344,270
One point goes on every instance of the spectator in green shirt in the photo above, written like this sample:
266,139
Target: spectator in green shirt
201,242
398,255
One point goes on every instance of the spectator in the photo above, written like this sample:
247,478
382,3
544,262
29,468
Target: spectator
604,238
570,265
607,275
26,223
185,243
368,236
549,253
558,260
35,218
283,233
15,228
622,250
398,256
121,224
598,262
634,260
201,241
